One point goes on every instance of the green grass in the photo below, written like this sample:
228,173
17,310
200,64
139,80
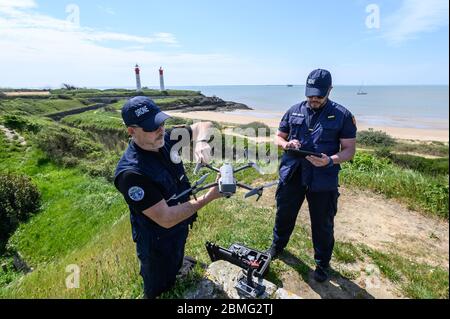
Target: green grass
99,120
434,148
419,191
75,206
84,221
92,93
429,166
416,280
38,106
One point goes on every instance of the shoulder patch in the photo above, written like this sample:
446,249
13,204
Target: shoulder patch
354,120
136,193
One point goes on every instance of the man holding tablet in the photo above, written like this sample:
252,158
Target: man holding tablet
318,135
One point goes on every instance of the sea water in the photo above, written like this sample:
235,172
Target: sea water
397,106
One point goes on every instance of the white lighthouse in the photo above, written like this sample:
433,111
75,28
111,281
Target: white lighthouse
138,78
161,79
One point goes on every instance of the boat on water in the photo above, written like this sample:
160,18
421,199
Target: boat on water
290,85
361,91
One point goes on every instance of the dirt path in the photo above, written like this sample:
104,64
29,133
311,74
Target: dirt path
12,135
382,224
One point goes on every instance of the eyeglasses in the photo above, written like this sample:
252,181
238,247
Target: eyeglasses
316,96
147,130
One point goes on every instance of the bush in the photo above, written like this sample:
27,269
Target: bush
383,152
65,145
20,123
375,138
178,121
438,166
19,199
255,126
64,97
365,162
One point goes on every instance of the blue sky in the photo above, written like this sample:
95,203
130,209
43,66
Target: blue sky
201,42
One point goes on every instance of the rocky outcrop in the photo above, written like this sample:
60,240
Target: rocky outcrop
220,281
204,103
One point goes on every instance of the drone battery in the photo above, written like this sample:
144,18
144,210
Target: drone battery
227,183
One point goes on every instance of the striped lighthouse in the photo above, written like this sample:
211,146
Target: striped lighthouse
161,79
138,78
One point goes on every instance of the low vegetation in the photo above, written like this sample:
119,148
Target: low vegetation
82,220
19,200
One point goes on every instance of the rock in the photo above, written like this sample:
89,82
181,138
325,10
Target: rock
20,264
220,282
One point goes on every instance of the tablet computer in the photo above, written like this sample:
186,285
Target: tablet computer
302,153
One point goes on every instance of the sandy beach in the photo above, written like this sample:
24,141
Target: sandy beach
272,120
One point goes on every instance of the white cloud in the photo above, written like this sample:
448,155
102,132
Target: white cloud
415,17
39,50
106,10
21,4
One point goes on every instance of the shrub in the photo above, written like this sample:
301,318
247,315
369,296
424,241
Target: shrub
178,121
65,145
64,97
375,138
438,166
367,163
19,199
20,123
255,126
383,152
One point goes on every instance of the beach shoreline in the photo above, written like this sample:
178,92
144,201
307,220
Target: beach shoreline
271,119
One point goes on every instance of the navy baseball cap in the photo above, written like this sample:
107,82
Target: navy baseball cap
143,112
318,83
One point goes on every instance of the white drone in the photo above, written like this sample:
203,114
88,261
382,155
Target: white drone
227,182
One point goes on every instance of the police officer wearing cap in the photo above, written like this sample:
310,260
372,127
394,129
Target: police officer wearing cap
149,175
321,126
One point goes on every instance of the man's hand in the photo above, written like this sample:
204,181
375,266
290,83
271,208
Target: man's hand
292,144
319,161
214,193
201,132
202,152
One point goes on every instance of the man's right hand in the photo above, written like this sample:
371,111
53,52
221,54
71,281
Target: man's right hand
292,144
214,193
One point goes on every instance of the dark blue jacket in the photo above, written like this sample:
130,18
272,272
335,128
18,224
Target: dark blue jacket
168,177
322,136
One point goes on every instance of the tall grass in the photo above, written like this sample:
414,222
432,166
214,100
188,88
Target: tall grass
419,191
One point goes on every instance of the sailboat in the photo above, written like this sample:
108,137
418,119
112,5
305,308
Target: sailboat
361,91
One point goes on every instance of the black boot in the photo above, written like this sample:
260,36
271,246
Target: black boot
321,274
274,252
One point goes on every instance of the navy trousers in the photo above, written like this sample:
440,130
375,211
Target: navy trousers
322,210
160,253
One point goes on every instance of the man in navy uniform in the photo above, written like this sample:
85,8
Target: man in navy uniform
149,175
321,126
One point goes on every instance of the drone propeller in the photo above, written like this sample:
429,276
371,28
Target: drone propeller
259,190
198,167
192,189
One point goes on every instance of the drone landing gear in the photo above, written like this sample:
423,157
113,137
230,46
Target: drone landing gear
247,287
253,263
